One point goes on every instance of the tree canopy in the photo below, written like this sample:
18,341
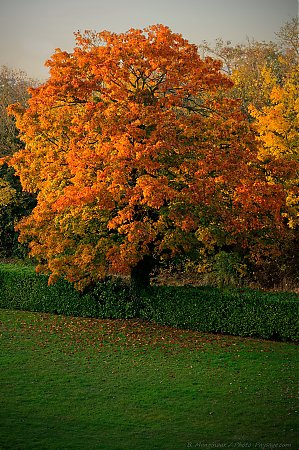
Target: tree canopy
137,151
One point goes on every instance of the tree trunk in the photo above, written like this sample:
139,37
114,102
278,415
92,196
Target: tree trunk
140,275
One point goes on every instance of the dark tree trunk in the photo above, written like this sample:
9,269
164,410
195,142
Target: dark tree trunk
140,275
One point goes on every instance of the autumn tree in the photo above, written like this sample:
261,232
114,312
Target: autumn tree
275,121
137,154
246,63
265,77
14,203
277,128
288,41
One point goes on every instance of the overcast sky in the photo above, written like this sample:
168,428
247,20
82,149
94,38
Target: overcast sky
30,30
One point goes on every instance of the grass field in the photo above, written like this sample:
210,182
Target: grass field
73,383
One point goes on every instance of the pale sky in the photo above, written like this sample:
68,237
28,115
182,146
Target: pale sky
30,30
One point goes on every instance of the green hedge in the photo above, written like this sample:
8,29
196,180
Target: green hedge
237,312
21,288
241,312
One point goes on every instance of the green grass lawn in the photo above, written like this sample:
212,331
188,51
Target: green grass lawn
73,383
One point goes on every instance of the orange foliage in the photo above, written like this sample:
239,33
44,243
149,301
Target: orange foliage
133,146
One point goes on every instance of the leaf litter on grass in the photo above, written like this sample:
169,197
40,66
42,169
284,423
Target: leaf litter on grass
158,365
78,334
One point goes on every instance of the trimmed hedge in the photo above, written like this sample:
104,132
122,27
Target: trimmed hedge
241,312
21,288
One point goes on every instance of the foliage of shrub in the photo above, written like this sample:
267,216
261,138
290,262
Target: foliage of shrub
240,312
22,288
115,299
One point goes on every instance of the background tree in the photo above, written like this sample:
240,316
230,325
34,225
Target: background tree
288,37
276,123
246,63
14,203
265,77
14,86
277,128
